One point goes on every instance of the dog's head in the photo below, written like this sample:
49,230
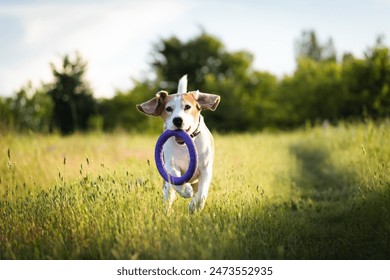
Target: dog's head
181,110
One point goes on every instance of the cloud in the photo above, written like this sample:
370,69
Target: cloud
112,36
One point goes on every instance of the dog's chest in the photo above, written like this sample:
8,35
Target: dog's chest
179,158
176,155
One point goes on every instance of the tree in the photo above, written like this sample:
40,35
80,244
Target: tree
32,109
309,46
378,80
213,69
197,57
5,113
367,83
29,109
354,81
72,97
313,93
119,112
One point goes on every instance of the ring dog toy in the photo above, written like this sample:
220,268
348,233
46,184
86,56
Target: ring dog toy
158,156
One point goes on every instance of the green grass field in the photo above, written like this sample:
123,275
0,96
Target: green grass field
320,193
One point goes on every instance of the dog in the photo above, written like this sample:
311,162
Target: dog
183,111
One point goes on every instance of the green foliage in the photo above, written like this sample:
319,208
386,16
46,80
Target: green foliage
321,193
201,56
313,93
29,110
5,114
120,111
367,83
321,89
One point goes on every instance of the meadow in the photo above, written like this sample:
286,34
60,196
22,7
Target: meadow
315,193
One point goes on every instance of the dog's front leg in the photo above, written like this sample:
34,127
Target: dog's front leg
198,201
184,190
169,195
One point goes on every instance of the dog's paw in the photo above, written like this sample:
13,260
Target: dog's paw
185,191
188,191
191,207
196,206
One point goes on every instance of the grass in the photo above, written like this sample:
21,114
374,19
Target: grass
320,193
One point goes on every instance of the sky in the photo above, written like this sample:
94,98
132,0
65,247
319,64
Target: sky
116,37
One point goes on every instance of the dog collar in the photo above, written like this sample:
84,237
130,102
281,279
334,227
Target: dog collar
197,130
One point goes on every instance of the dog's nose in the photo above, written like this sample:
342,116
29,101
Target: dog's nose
178,122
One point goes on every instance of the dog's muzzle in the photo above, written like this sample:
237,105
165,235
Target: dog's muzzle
181,141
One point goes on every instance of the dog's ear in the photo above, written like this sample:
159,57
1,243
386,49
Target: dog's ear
206,101
153,106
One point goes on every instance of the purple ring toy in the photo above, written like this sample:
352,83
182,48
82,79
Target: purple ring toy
158,156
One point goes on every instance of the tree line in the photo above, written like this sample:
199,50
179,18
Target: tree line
325,86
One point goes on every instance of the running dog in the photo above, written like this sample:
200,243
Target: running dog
182,110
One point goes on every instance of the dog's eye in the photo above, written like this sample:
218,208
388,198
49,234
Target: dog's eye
187,107
169,109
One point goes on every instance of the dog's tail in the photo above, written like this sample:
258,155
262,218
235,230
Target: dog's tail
182,87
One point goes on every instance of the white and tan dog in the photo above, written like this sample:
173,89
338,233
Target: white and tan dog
182,111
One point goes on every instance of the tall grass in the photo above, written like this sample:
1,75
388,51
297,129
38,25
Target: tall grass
320,193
